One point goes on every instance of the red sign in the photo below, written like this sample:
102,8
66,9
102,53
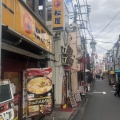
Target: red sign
39,89
16,99
57,3
4,107
27,23
38,72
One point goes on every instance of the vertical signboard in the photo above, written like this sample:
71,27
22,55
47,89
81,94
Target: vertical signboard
39,90
58,14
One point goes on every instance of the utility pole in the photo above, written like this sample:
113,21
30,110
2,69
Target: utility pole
114,63
0,33
84,41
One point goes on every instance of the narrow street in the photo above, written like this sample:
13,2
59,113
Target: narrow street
102,104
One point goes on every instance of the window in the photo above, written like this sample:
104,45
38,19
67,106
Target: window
29,3
5,93
41,9
49,14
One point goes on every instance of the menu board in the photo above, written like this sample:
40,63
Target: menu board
77,96
37,105
39,91
72,100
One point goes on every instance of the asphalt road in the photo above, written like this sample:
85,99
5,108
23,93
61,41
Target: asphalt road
102,104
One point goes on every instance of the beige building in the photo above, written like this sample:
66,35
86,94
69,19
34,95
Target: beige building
75,44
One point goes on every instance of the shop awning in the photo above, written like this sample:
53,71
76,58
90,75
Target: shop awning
20,51
13,32
112,72
117,71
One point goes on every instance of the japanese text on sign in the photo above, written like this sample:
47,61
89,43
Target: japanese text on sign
57,14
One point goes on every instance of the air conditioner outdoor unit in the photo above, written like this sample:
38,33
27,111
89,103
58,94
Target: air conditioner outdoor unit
71,61
66,60
63,59
69,50
63,50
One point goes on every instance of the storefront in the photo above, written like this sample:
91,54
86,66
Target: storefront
70,82
26,43
117,75
111,77
66,86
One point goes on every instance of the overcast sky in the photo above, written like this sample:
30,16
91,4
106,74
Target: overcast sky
102,12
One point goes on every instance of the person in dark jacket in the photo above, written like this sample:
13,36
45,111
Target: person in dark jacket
117,86
90,77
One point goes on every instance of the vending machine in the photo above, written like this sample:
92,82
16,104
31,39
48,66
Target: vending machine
6,101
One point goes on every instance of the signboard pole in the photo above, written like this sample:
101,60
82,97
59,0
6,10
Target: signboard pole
0,33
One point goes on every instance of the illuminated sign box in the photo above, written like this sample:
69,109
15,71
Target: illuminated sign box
19,19
58,14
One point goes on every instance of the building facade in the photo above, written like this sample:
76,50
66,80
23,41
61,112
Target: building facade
26,43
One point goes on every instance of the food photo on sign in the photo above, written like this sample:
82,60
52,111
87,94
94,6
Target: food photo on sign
39,89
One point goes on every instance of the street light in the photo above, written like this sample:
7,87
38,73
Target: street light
92,44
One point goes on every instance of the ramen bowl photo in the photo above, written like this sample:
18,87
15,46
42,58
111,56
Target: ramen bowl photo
39,85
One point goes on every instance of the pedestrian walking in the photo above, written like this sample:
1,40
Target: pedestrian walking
117,86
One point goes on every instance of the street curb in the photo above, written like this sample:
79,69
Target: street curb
83,111
79,112
81,108
71,116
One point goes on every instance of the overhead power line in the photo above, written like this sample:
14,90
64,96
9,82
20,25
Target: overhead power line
105,42
101,47
112,29
102,41
108,24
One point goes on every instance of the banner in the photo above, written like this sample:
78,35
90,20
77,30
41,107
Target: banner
39,90
58,14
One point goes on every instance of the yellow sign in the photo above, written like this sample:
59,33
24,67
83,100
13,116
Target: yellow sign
112,72
19,19
8,12
58,14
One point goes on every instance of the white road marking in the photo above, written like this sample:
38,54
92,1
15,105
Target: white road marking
104,92
112,91
100,92
97,92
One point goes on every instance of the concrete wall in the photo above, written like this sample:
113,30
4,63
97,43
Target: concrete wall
74,78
